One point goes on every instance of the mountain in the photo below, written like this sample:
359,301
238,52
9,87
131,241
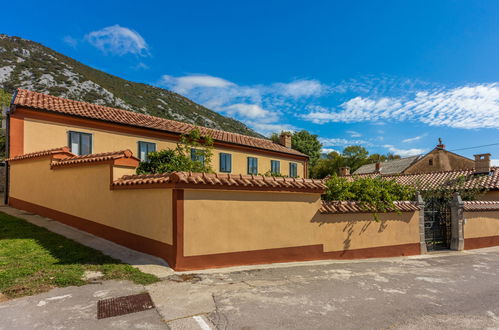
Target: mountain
30,65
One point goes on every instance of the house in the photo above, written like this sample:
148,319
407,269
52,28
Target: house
439,159
482,176
40,122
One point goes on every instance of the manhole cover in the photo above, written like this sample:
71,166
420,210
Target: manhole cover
123,305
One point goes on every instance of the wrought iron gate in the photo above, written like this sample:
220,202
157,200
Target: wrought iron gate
437,222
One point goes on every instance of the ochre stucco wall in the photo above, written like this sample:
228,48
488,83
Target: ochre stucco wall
41,135
228,221
481,224
442,161
492,195
84,192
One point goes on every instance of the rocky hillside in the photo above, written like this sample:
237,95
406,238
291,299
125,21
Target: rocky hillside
30,65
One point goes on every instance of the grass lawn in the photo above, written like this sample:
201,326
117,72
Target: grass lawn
34,260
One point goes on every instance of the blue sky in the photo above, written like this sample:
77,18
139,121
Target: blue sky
389,75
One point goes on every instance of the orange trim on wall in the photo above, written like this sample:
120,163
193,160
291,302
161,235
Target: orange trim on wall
178,225
133,241
96,124
480,242
16,135
291,254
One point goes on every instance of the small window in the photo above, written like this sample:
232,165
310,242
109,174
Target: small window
197,155
293,170
252,165
144,149
225,162
80,143
430,161
275,167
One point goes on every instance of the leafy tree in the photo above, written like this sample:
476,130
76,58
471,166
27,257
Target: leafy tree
308,144
355,156
180,159
352,156
5,99
372,194
374,158
304,142
327,166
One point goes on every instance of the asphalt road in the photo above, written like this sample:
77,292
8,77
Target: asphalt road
458,290
444,291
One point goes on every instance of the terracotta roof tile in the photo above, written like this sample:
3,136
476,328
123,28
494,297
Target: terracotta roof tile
466,179
481,206
64,150
93,111
221,181
92,158
355,207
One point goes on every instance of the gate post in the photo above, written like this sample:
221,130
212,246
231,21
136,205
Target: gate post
422,239
457,220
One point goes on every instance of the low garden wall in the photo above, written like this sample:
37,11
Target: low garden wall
225,228
481,224
195,220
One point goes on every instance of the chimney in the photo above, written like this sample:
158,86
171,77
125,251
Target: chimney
285,139
482,164
344,171
440,145
377,167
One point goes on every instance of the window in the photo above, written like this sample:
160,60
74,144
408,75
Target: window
225,162
275,167
144,149
430,162
252,165
80,143
197,155
293,170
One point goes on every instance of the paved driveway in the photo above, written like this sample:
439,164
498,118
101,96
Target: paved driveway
445,291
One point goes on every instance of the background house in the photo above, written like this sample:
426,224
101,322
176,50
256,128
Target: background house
439,159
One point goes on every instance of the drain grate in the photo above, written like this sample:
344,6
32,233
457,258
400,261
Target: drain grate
123,305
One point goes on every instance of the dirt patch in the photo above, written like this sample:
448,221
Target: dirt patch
3,297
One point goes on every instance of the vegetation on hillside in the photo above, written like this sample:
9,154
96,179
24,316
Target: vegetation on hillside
5,99
42,69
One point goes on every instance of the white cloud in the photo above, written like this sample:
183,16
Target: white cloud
141,66
329,150
494,162
118,40
300,88
267,129
253,111
404,152
70,41
354,134
259,106
463,107
413,139
339,142
185,84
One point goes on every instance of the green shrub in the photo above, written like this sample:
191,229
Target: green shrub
179,159
373,194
